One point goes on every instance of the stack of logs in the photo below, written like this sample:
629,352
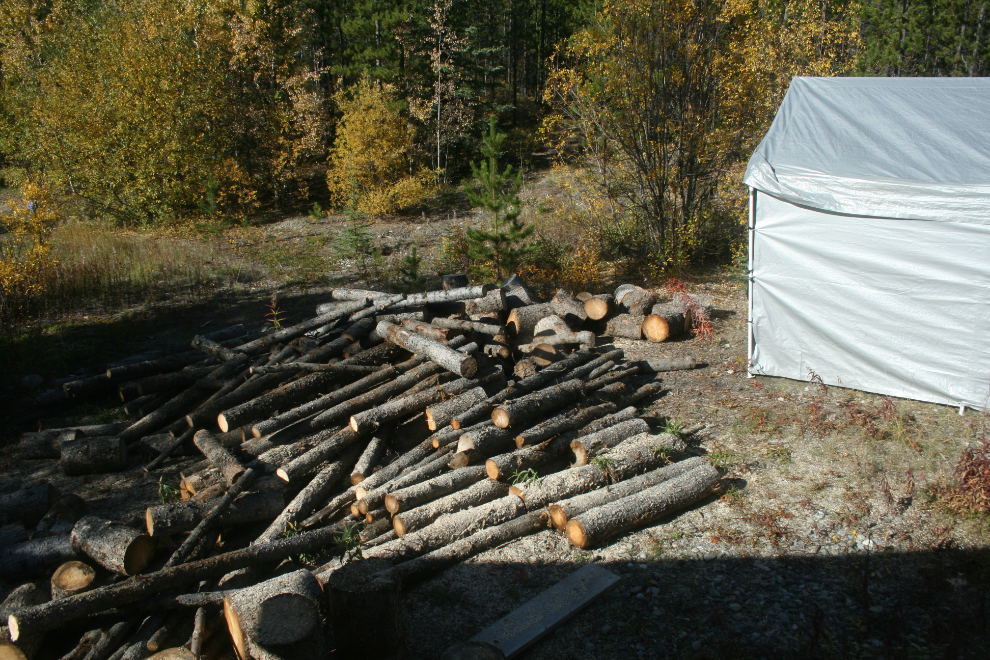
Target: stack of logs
412,430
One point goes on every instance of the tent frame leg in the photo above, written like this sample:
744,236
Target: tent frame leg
749,279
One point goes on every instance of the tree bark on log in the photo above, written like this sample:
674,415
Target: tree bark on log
206,414
178,517
598,307
26,595
479,493
174,408
219,456
522,320
369,459
307,462
12,535
441,297
146,368
431,489
627,326
504,466
495,333
214,349
432,563
286,395
281,616
93,456
34,557
430,331
525,368
592,445
37,445
71,578
454,281
492,305
486,441
561,512
634,300
440,414
519,295
568,308
88,388
294,331
550,325
642,508
352,295
376,498
529,407
592,366
567,420
28,505
666,322
367,596
661,365
113,546
585,338
62,517
444,355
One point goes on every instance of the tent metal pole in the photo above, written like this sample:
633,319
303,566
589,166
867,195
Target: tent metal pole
749,279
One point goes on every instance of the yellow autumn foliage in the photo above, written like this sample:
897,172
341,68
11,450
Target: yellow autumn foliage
25,248
370,167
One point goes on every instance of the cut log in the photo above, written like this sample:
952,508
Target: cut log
641,508
434,332
294,331
373,499
40,445
545,354
569,308
519,295
373,530
492,305
26,595
113,546
550,325
634,300
495,332
477,494
369,458
445,296
457,362
278,613
661,365
565,421
627,326
12,534
227,397
282,397
196,482
351,295
35,557
529,407
178,517
592,445
338,369
367,596
522,320
583,338
219,456
454,281
88,388
438,560
71,578
666,322
598,307
27,506
593,365
514,463
94,455
62,517
214,349
304,464
175,407
525,368
486,441
440,414
561,512
426,491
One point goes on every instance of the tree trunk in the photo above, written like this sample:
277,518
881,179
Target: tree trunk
71,578
569,308
641,508
426,491
589,446
26,595
598,307
666,322
281,616
626,326
432,563
448,358
634,300
486,441
477,494
521,410
495,333
93,456
563,511
369,459
113,546
366,596
40,445
219,456
661,365
504,466
430,331
34,557
522,320
285,396
567,420
376,498
440,414
491,305
304,464
178,517
28,506
62,517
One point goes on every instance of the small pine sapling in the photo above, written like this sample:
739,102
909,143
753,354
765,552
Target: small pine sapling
500,249
410,279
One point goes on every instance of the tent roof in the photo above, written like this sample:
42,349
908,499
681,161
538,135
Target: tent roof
913,148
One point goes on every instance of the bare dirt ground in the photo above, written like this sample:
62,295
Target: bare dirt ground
824,541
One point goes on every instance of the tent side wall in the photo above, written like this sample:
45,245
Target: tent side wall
896,307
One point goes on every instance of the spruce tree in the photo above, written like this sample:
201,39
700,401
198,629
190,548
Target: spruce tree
499,249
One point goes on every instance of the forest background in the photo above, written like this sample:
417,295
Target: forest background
128,128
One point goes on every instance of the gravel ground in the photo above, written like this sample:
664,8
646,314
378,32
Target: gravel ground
823,541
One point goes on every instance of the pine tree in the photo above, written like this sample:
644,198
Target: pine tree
499,249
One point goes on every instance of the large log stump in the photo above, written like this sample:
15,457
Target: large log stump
642,508
365,596
113,546
666,321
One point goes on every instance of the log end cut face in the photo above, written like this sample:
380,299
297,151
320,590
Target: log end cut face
139,554
10,652
286,619
576,534
72,577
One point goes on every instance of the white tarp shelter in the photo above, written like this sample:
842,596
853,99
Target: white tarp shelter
870,238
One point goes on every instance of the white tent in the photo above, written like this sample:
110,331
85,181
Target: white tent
870,238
